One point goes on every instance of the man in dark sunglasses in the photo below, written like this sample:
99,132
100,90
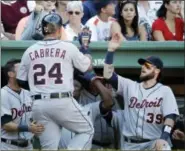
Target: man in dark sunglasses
150,107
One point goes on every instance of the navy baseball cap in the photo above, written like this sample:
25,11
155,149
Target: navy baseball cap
100,4
154,60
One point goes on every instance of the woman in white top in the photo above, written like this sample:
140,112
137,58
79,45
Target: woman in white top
75,14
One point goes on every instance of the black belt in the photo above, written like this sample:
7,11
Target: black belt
130,140
95,142
19,143
53,96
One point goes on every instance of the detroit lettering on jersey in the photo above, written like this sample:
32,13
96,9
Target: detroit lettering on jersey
16,112
47,52
144,103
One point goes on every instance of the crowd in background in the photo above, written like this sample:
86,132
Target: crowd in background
136,20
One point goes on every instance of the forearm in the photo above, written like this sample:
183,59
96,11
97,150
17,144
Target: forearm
108,71
10,127
168,126
107,100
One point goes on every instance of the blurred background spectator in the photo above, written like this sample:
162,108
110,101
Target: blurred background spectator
89,10
11,13
75,14
61,7
32,28
129,22
168,26
147,14
100,24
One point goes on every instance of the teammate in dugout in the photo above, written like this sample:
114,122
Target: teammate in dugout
150,107
90,101
17,128
48,67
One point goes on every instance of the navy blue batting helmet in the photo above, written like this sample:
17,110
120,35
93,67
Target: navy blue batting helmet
50,23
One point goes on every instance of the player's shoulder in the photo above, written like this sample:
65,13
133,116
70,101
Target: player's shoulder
165,88
32,47
3,91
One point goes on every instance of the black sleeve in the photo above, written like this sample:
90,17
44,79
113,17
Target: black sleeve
23,84
5,119
106,113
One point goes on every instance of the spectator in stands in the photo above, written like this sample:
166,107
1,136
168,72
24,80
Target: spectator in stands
32,28
11,13
147,14
100,24
61,7
128,22
75,14
89,10
168,26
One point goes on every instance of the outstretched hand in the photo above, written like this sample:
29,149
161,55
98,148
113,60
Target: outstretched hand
115,42
85,37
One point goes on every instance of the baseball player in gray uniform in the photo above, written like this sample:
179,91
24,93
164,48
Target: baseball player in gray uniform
92,109
104,134
150,107
16,107
48,67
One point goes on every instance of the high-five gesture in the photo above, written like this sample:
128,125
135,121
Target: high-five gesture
115,42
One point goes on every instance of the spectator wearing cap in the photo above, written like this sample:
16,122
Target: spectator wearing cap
11,13
75,14
128,21
100,24
32,24
168,26
89,10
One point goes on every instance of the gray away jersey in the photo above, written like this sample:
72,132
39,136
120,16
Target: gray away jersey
48,66
145,108
19,106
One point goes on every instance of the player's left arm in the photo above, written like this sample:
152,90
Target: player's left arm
170,112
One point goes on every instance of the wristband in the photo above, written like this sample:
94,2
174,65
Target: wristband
109,57
23,128
89,75
166,132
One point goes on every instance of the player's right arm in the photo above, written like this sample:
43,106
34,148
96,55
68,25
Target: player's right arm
108,70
